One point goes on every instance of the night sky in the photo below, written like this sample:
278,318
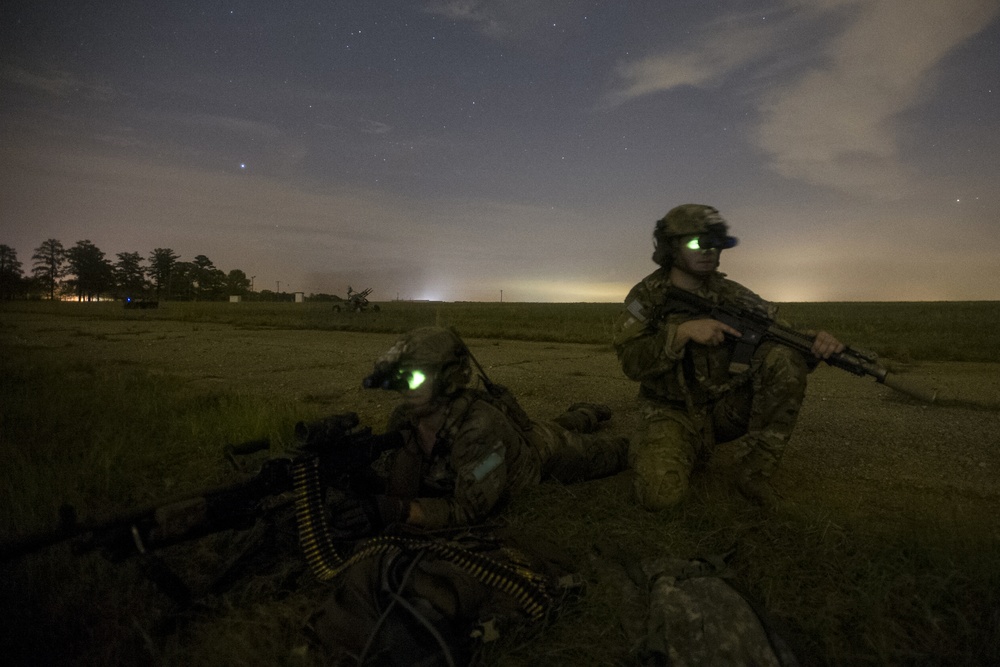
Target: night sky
450,150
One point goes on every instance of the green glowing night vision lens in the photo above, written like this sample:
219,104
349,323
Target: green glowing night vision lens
415,380
694,244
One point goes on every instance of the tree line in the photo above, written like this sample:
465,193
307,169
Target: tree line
84,271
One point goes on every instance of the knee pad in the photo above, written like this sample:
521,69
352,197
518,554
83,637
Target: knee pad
661,492
661,476
783,371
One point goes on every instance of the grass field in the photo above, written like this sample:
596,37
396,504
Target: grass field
926,331
109,409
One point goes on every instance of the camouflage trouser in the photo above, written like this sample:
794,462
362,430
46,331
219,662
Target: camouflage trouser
763,410
571,452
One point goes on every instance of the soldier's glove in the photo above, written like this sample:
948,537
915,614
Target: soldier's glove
363,516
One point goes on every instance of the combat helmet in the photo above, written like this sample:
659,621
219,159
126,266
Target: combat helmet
422,354
690,220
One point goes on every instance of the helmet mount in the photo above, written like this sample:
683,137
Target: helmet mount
698,220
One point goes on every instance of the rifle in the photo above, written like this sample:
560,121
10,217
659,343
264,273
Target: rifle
756,326
331,452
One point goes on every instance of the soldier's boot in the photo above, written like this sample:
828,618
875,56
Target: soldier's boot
584,417
601,412
753,477
758,489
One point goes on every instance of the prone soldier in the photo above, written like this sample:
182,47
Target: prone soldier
467,450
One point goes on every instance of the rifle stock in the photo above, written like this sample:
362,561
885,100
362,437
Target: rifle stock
757,327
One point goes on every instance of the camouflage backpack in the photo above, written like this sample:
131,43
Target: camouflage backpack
690,613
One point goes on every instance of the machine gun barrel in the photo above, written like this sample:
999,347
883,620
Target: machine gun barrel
169,521
341,449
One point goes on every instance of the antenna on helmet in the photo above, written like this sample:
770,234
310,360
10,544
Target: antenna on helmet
499,394
464,349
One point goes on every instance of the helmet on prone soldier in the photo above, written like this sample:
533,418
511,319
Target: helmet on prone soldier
689,220
427,352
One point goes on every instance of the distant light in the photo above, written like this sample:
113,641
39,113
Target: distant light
243,165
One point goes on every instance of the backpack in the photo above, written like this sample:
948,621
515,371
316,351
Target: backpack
697,616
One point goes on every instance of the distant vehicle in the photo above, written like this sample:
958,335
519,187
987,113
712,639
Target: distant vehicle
357,301
143,304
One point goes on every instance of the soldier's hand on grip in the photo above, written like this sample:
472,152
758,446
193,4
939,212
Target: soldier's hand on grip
825,345
705,331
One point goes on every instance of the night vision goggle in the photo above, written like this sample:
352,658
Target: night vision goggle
395,379
711,241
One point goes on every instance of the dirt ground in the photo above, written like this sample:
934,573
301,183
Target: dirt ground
862,454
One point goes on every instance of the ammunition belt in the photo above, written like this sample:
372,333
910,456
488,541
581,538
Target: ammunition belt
527,587
314,530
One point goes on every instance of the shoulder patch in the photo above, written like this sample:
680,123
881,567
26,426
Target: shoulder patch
635,309
487,465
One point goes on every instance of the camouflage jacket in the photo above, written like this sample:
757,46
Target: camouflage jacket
480,459
644,341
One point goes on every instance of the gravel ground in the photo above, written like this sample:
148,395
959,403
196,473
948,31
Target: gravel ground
862,453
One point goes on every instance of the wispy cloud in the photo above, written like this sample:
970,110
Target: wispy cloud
55,83
714,53
508,19
369,126
834,125
476,12
829,118
230,124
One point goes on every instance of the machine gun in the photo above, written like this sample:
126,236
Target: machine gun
331,452
757,326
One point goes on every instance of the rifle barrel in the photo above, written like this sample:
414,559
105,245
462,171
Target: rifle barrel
918,392
37,542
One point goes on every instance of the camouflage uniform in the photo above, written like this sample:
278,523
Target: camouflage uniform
691,401
481,457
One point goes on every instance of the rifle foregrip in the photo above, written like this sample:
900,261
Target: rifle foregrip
924,394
